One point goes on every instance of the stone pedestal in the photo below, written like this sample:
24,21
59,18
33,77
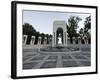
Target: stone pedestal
79,40
25,39
74,40
85,39
45,40
50,40
39,40
32,40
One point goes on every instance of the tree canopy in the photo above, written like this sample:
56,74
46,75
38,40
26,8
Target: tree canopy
72,26
87,24
28,29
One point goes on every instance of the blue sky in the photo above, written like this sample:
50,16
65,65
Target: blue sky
42,21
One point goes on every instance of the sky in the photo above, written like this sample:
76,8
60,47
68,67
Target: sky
42,21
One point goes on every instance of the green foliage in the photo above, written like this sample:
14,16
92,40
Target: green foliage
28,29
73,22
72,26
85,30
81,31
87,24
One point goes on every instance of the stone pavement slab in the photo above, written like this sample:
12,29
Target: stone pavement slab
32,59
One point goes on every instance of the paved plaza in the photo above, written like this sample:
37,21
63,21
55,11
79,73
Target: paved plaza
33,59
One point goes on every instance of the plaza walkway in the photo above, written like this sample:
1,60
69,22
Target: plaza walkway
32,59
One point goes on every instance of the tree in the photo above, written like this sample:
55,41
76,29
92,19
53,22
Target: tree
28,29
81,31
87,28
87,24
72,26
81,34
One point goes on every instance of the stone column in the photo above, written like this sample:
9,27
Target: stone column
74,40
25,39
65,38
85,39
45,40
39,40
32,40
53,39
50,40
79,40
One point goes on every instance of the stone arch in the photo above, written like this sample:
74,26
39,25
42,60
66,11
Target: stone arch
59,26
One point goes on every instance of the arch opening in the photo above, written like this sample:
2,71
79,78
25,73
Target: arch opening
59,36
